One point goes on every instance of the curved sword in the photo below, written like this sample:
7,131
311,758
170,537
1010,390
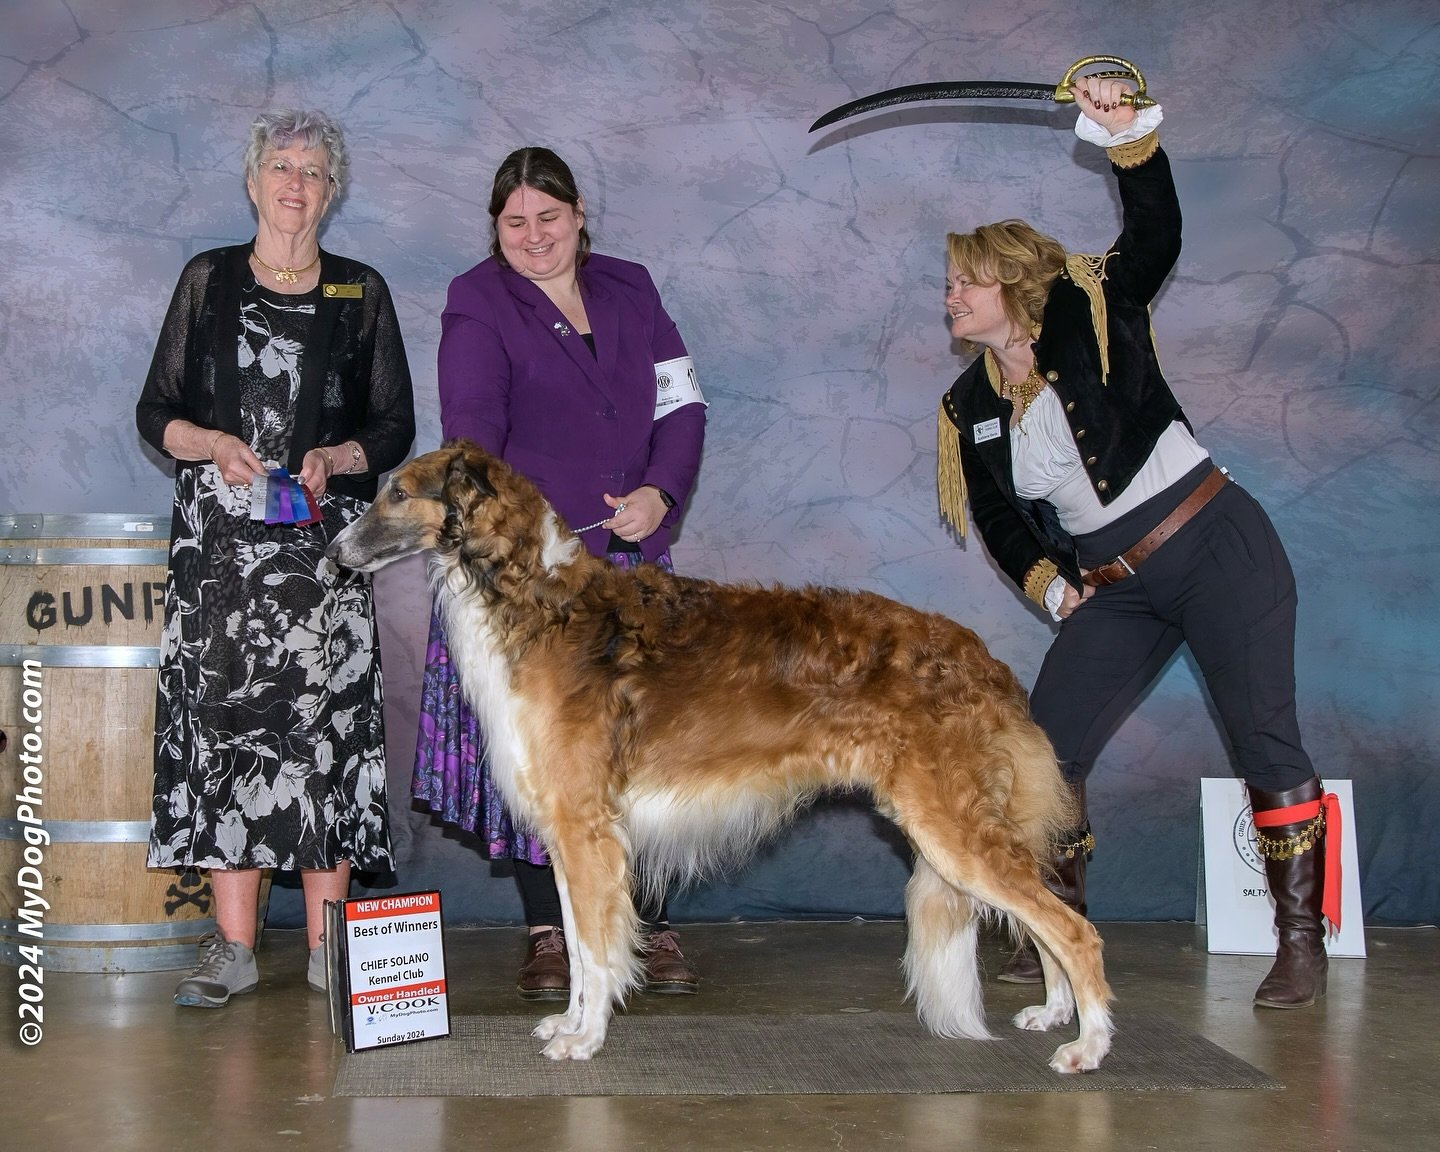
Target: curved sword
993,90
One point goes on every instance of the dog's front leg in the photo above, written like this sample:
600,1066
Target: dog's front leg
567,1022
600,926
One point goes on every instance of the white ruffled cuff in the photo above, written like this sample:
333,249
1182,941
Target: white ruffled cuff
1054,596
1145,122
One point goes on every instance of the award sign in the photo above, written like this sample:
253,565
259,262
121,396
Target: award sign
386,959
1234,897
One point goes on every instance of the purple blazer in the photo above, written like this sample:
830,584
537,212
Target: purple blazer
517,380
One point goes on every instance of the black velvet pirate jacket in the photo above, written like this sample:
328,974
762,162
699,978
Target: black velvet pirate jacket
1096,349
354,378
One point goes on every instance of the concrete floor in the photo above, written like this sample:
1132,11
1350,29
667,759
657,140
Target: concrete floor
121,1068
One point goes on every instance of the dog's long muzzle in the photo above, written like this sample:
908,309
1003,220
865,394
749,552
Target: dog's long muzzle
358,550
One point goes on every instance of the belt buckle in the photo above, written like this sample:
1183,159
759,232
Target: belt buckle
1125,564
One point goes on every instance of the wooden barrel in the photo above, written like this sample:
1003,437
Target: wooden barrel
81,607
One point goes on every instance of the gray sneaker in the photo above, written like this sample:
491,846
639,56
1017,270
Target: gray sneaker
227,969
315,973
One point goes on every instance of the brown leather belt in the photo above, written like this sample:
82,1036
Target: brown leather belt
1123,566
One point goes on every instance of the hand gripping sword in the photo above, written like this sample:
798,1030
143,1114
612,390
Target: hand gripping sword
993,90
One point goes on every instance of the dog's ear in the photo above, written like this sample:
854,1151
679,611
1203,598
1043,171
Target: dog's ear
467,485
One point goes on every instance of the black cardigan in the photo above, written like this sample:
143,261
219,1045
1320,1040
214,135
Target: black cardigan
354,379
1116,422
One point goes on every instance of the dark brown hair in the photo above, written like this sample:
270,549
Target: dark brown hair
542,170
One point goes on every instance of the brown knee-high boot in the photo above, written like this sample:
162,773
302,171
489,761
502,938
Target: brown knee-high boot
1065,878
1290,831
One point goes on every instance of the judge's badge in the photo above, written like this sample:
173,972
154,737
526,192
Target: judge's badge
676,386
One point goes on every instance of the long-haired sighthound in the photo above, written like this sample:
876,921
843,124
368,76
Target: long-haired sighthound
641,715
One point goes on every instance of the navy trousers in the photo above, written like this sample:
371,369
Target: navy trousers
1221,584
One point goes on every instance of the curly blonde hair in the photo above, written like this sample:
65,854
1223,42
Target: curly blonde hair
1022,261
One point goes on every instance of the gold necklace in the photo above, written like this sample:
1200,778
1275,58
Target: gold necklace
1023,393
285,275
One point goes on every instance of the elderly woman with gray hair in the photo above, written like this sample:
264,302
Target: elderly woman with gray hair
269,738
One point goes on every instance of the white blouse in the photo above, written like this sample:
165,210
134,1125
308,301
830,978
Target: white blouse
1046,466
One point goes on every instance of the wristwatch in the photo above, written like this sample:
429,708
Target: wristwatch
665,496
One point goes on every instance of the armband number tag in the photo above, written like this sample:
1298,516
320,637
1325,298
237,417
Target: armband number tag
676,386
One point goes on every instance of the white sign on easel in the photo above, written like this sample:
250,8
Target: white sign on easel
1234,901
392,961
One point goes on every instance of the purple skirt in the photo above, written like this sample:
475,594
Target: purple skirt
452,772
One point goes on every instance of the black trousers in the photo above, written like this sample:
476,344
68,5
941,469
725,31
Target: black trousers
541,898
1221,584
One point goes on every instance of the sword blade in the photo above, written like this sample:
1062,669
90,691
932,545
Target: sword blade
969,90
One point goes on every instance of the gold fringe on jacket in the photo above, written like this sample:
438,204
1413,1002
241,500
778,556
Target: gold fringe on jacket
1088,274
949,477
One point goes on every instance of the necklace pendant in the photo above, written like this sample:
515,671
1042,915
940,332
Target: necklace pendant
286,275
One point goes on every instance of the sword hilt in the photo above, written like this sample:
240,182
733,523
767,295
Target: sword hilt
1136,99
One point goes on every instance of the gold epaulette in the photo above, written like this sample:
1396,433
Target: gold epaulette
1135,153
949,477
1088,274
1041,573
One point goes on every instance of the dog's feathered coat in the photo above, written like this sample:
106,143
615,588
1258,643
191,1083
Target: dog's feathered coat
640,714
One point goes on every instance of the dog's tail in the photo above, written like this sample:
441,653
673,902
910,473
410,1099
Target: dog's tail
941,965
1028,788
1031,793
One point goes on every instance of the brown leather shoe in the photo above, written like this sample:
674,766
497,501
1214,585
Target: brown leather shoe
667,972
545,973
1023,967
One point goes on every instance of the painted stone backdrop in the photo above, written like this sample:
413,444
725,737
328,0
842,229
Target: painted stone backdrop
805,273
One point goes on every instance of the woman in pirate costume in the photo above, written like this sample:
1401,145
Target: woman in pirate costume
1091,493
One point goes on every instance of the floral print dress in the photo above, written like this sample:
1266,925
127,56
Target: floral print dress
269,745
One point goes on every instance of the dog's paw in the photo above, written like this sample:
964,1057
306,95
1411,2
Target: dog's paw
573,1046
1078,1056
1043,1017
558,1025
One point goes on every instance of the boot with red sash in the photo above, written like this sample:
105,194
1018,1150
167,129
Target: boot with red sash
1297,834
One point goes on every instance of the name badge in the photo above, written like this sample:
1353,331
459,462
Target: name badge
344,291
987,430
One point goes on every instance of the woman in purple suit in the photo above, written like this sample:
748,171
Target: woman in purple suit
564,363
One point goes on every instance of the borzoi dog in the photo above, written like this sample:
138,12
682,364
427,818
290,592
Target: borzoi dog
639,714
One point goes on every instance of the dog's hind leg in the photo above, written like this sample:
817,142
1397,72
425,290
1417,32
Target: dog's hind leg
1070,956
941,972
1008,880
1059,1004
600,931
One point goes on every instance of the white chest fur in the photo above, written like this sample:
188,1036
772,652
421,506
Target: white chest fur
485,680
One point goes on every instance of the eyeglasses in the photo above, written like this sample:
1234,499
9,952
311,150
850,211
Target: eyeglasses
282,168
